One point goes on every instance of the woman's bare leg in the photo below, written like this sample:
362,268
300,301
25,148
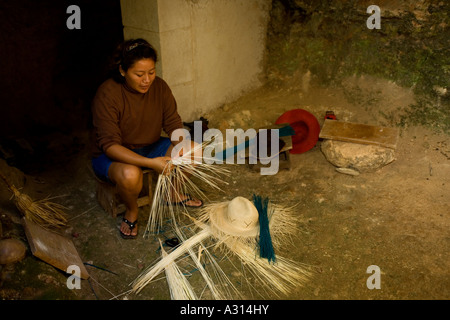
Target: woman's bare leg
128,180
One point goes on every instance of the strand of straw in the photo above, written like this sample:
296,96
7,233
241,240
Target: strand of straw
281,276
221,277
217,295
147,276
179,286
170,187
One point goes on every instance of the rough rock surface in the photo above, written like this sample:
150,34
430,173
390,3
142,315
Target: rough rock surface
360,157
11,250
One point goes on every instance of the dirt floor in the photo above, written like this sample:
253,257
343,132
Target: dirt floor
396,218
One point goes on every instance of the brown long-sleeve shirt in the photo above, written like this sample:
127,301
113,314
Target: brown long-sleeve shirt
132,119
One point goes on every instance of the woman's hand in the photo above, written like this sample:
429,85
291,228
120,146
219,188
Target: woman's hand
162,165
188,151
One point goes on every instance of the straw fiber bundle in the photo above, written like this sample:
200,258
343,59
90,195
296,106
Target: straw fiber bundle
256,251
276,276
43,212
279,277
219,285
171,185
148,275
180,288
169,188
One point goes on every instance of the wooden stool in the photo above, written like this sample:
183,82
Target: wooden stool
109,198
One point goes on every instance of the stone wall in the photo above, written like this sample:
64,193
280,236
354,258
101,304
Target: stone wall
331,40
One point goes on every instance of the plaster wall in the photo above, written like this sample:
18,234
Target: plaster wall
211,51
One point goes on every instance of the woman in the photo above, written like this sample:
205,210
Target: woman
129,111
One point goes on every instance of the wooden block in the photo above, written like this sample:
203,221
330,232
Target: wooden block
142,201
284,160
53,248
359,133
288,143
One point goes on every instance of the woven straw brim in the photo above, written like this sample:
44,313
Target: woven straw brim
283,222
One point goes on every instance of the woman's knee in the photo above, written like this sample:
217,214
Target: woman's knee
129,176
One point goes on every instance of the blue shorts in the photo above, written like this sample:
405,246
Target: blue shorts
101,163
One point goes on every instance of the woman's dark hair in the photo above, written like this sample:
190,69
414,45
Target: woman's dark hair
128,53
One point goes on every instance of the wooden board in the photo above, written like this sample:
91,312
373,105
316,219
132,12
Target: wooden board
288,143
359,133
53,248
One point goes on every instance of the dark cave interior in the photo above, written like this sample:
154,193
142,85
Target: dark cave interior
50,74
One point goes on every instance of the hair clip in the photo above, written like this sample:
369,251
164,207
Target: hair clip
135,45
131,47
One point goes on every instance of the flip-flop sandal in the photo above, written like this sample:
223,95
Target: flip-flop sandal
183,202
172,242
130,224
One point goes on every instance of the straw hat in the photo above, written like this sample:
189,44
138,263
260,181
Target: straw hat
238,217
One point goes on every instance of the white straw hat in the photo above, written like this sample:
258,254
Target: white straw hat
239,217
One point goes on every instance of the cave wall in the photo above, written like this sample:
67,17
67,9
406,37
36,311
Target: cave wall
332,41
